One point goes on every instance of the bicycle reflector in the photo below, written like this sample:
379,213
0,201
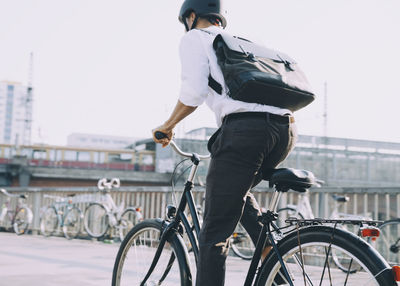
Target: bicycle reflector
370,232
396,272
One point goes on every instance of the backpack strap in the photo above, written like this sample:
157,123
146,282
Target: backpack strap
216,86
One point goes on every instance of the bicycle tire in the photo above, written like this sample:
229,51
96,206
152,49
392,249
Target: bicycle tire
72,223
241,243
135,257
95,220
316,241
127,222
49,221
388,242
21,221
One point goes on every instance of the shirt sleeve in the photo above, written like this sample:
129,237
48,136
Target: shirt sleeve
194,70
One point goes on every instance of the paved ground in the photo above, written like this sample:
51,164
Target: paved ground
36,260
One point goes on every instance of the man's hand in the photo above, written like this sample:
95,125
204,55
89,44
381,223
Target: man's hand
179,113
167,131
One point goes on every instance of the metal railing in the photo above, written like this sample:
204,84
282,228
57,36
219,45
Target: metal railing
381,203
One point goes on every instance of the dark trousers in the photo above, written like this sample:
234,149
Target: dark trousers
243,151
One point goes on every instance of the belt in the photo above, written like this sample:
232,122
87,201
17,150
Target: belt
284,119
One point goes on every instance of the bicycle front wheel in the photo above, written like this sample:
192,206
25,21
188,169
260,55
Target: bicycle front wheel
21,221
72,223
96,220
388,242
241,243
49,221
136,254
307,255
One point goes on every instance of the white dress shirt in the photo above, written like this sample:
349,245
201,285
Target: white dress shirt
198,60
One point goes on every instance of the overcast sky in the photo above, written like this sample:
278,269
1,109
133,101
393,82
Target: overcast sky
112,67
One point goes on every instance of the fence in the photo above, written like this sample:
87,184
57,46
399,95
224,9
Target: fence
382,203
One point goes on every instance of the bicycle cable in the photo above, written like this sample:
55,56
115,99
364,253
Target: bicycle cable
175,201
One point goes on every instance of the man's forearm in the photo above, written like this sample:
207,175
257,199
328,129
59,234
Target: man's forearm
179,113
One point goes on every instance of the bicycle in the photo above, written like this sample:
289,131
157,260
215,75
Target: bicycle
303,210
147,254
388,244
20,217
99,217
62,213
240,241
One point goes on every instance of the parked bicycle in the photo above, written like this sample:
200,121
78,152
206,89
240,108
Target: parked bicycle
19,217
153,252
388,243
303,210
62,213
100,216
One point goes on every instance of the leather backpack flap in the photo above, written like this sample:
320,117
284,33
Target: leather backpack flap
257,74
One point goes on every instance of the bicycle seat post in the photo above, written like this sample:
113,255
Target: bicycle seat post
273,205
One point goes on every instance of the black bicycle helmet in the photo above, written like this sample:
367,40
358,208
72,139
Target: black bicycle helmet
202,8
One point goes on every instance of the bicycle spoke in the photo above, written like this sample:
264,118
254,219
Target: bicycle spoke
327,256
348,272
329,269
297,259
301,255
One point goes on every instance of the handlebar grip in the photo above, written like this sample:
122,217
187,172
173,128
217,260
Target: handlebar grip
160,135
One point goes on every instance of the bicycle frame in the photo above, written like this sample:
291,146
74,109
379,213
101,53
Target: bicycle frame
178,216
62,208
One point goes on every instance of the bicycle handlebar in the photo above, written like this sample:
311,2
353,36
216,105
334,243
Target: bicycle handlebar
12,195
105,184
160,135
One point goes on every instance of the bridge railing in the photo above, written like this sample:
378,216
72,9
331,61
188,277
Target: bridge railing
380,203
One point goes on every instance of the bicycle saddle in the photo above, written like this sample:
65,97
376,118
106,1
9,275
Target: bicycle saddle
288,178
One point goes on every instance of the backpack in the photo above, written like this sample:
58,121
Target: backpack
256,74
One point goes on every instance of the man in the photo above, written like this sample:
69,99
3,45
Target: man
251,140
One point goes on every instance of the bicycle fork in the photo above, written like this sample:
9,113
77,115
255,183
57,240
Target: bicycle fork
164,237
172,228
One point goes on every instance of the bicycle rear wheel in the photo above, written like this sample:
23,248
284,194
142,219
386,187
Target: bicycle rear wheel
388,242
136,254
49,221
127,222
96,220
241,243
72,223
311,262
21,221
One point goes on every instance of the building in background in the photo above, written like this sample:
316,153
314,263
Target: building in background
339,162
15,113
84,140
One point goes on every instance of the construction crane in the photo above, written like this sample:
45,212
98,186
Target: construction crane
28,105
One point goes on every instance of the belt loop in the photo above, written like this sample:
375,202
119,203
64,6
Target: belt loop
267,117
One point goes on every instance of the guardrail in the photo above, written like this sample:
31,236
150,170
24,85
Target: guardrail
381,202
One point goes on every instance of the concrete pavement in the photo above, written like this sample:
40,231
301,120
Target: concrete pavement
37,260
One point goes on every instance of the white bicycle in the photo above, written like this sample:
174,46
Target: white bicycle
303,210
100,216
